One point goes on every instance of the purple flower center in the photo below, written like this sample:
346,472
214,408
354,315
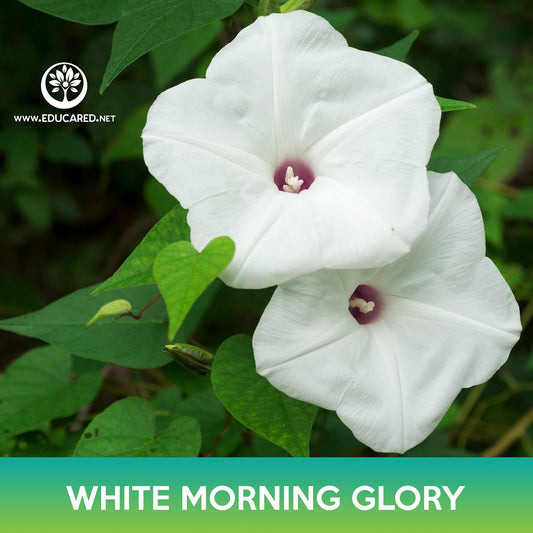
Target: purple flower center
293,176
365,304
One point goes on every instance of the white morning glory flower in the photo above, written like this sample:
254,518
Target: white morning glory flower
306,152
390,348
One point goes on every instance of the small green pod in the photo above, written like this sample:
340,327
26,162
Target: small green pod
192,357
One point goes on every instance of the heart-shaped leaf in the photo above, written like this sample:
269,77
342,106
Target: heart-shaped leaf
255,403
182,274
219,431
38,387
128,429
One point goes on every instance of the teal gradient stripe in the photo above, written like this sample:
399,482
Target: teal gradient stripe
498,494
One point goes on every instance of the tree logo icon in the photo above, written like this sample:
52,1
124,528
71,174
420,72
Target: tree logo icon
64,85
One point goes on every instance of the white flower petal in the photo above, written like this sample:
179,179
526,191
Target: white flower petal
264,59
316,86
403,129
453,240
426,356
449,321
193,144
306,339
319,227
288,86
384,220
261,208
301,229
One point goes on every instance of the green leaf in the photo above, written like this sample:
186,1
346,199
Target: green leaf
116,307
453,105
67,147
6,446
451,417
205,407
207,410
186,381
153,23
266,7
84,11
488,127
199,309
182,274
400,49
520,207
128,429
492,204
54,442
293,5
128,342
506,88
137,268
174,56
255,403
407,14
127,144
159,200
38,387
468,168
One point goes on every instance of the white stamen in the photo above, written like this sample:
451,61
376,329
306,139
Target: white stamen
293,183
363,306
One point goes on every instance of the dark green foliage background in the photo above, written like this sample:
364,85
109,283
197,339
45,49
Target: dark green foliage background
76,199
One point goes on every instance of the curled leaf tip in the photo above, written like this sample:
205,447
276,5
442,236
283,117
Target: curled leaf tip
114,308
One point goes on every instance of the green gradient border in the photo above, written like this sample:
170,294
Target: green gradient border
498,494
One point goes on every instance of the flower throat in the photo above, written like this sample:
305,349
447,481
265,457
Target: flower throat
365,304
293,176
